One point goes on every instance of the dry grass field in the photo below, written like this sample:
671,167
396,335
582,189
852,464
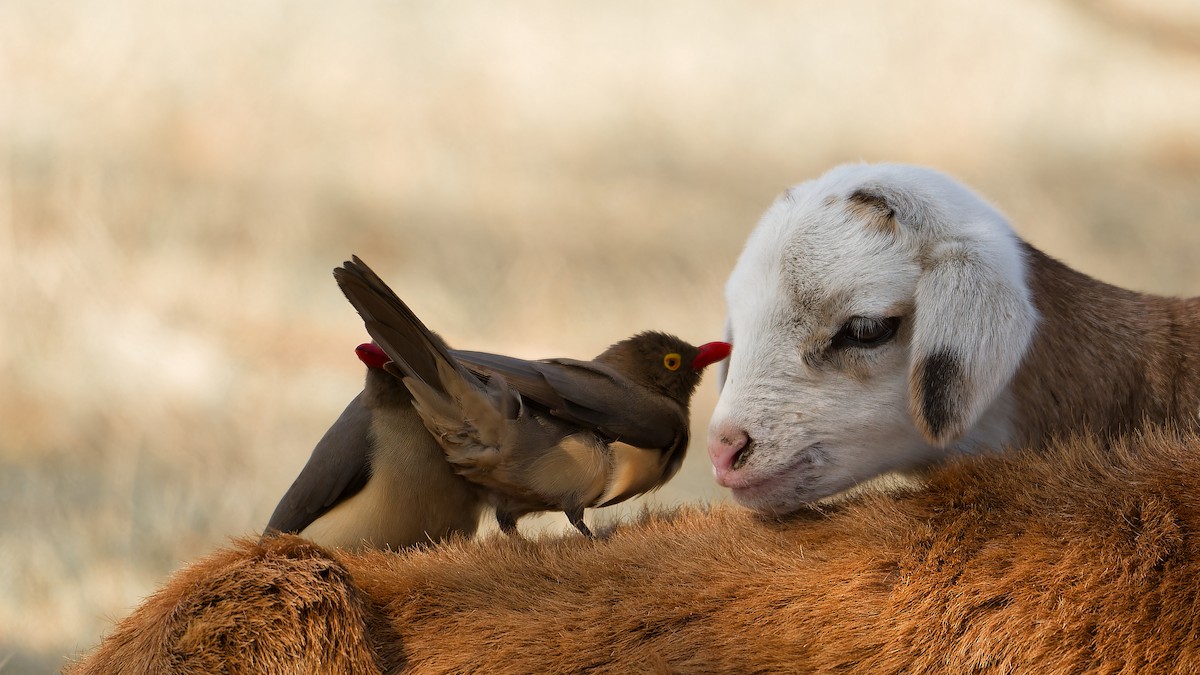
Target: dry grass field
178,179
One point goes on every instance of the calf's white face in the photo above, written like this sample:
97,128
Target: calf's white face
877,315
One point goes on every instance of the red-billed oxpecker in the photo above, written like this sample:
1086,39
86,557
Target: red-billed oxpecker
549,435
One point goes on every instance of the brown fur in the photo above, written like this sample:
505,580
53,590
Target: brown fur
283,606
1105,358
1082,558
874,210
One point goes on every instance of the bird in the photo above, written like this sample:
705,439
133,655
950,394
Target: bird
548,435
377,477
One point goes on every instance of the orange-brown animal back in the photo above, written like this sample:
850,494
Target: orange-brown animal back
1082,558
284,606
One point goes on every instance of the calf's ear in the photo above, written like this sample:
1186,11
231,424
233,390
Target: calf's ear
973,324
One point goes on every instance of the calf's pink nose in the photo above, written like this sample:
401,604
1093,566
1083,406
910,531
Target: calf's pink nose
725,444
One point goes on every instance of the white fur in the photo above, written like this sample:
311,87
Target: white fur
821,419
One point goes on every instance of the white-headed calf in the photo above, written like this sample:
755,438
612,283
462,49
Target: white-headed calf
884,316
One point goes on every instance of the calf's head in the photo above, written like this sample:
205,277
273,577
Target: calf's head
877,315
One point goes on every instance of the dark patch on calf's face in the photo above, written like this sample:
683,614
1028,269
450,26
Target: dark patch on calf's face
941,380
876,213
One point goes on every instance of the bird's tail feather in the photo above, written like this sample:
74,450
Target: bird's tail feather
414,349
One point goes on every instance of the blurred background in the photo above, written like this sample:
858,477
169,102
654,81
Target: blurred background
178,179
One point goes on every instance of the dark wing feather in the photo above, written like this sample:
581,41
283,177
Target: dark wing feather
401,335
520,374
337,469
590,395
616,407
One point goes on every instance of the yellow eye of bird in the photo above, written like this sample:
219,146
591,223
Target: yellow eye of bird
672,361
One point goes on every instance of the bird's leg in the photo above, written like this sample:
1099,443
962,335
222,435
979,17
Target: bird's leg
576,518
508,522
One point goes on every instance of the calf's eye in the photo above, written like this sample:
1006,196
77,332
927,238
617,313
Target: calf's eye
865,331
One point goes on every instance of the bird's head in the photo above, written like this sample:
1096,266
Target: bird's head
664,362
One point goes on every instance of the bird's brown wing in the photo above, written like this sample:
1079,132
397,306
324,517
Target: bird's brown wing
337,469
590,395
518,373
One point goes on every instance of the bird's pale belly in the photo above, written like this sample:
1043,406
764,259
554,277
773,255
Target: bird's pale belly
407,500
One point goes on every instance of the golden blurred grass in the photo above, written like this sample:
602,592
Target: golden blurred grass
178,179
